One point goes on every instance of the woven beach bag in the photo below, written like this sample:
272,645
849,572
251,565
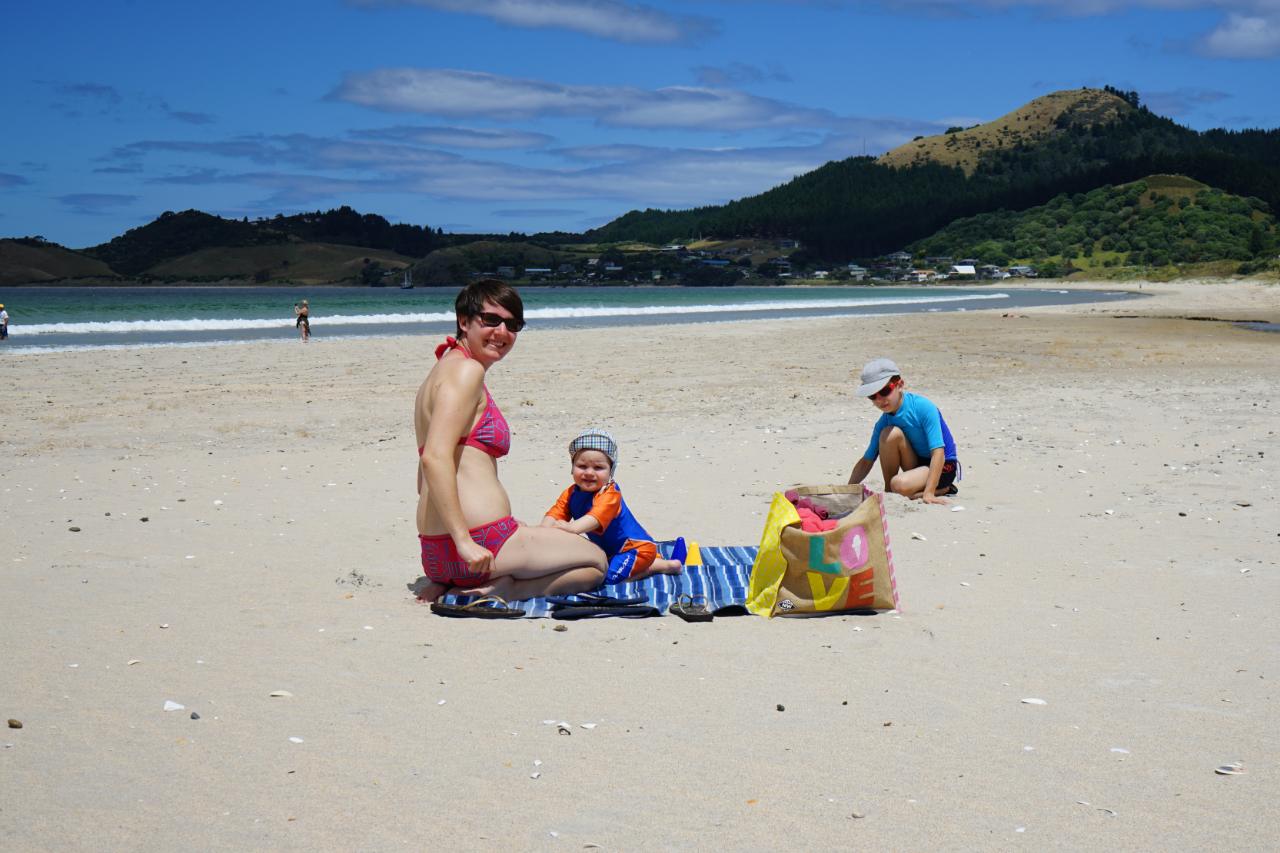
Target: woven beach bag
848,568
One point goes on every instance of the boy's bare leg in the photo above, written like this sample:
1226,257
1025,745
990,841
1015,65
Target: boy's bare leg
658,567
899,463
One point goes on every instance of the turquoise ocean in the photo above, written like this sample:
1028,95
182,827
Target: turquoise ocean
75,317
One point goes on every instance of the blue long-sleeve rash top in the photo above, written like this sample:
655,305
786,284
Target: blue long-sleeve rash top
617,524
921,422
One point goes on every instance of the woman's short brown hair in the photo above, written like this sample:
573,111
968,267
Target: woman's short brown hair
471,299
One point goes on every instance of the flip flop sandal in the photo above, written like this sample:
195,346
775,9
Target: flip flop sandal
488,607
592,611
583,599
691,608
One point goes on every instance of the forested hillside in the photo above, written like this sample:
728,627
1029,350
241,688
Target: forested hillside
860,207
1158,221
173,235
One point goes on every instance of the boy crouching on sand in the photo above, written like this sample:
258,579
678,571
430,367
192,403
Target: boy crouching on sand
593,505
916,450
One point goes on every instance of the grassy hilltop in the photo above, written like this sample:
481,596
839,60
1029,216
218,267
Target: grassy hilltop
32,261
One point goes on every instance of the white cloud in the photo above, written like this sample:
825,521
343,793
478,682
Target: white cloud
1250,29
610,19
459,137
739,73
1244,37
454,93
1177,102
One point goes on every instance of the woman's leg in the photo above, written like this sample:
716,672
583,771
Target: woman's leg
538,561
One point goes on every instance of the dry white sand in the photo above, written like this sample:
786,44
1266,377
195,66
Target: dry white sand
245,526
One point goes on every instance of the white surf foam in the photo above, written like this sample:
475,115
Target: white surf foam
109,327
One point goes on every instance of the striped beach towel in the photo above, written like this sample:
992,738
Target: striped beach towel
722,580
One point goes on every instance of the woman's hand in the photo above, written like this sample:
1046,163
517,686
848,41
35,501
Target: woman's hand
479,559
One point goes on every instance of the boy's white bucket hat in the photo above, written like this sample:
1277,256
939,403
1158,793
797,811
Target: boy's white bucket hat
876,374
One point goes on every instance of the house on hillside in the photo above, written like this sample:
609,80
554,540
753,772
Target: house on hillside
899,259
537,272
1022,271
856,272
963,271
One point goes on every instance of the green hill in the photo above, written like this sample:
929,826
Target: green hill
1158,221
152,249
29,260
173,235
455,263
1067,142
294,261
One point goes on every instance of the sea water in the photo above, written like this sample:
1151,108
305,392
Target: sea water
82,317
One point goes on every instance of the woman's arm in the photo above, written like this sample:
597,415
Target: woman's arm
449,412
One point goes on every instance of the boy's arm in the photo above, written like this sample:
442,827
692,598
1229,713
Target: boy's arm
863,466
586,524
558,516
937,457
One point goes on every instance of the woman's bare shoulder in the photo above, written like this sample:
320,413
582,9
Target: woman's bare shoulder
459,377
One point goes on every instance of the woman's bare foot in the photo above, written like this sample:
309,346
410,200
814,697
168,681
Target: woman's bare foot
428,590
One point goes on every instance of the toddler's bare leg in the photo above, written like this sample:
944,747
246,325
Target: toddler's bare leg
658,567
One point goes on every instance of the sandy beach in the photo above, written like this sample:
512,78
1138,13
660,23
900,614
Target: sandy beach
209,525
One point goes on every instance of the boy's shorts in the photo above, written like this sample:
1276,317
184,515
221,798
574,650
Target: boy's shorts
635,556
950,471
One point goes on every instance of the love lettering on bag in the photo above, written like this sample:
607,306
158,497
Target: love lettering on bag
847,568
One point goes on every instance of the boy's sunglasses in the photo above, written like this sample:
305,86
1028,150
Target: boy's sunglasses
884,392
493,321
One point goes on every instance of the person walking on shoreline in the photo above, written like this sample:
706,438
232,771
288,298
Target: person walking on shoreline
4,323
303,322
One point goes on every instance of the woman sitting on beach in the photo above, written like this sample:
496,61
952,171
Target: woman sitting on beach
470,542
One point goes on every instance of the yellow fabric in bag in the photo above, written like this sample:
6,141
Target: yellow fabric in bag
770,564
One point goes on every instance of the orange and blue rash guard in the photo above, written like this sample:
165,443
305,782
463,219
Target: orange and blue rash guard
617,524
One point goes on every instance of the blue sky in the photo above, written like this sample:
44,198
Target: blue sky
532,115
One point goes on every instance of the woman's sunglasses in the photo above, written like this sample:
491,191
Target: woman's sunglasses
493,321
885,391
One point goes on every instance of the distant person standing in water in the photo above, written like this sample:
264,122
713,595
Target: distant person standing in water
4,323
303,323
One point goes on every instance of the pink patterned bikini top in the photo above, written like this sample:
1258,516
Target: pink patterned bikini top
491,433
